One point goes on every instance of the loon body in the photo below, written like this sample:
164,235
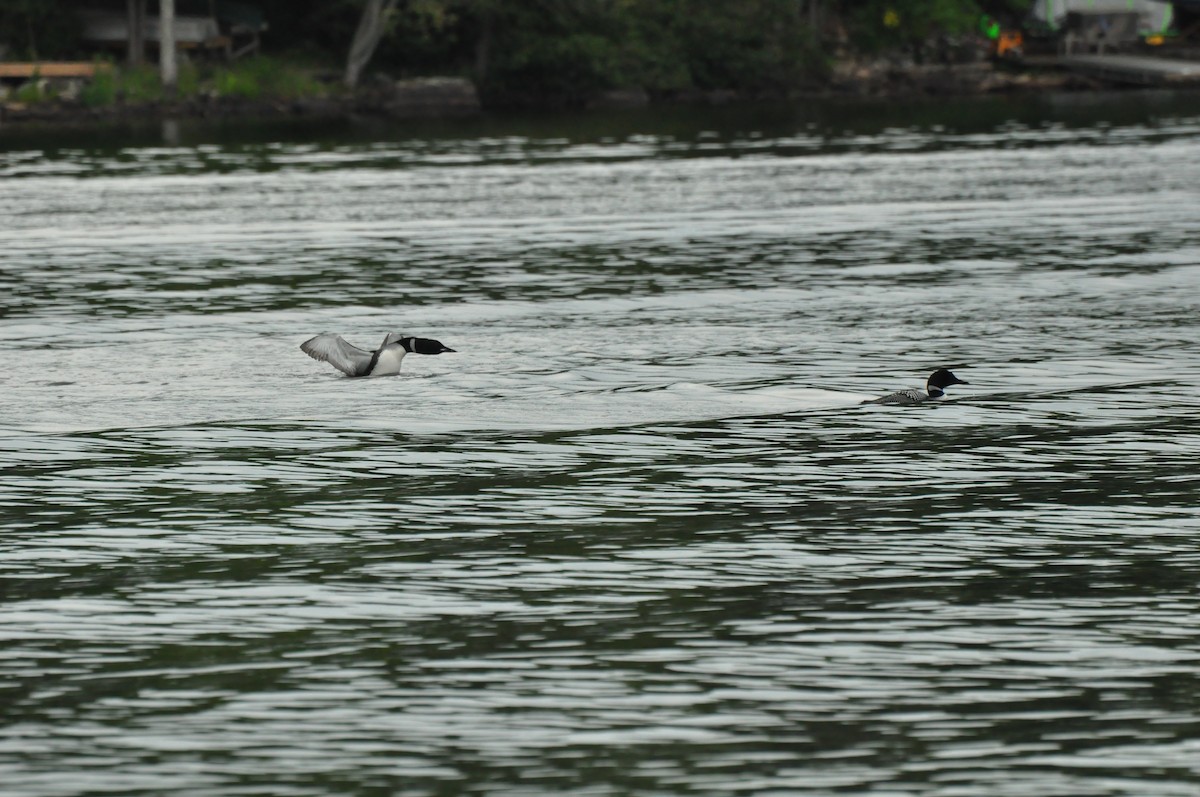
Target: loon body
384,361
941,378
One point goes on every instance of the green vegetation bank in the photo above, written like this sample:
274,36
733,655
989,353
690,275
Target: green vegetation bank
544,53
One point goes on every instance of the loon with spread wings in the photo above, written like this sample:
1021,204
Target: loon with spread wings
384,361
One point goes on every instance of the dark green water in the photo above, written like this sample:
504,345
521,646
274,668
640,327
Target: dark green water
637,536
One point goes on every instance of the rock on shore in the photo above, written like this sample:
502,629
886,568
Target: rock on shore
432,96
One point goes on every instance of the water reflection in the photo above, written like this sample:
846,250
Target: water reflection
171,135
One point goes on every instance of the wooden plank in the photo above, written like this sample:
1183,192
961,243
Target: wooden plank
1134,68
59,69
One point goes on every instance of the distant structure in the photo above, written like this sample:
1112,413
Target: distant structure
228,29
1103,39
1144,17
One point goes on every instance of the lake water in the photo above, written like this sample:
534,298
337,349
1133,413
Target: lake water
637,536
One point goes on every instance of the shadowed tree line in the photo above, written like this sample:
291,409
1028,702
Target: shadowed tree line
558,52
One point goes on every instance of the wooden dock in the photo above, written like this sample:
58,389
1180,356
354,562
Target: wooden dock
52,69
1137,69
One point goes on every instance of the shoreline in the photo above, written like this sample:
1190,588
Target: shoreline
451,98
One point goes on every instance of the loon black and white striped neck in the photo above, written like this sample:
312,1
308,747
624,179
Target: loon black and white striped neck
939,379
384,361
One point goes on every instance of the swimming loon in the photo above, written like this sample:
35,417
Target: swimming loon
353,361
937,380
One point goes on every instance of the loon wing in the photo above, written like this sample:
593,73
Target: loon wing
910,396
333,349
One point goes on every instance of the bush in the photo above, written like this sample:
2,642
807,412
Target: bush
754,46
578,50
140,84
237,84
888,24
251,79
30,92
565,70
101,90
263,77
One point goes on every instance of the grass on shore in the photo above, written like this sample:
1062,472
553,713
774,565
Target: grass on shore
260,77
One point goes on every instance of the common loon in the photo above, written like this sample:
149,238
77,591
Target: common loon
353,361
937,380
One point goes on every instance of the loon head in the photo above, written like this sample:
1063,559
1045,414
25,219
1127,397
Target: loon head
939,379
416,345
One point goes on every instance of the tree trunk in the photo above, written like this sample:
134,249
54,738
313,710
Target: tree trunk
166,45
135,15
366,38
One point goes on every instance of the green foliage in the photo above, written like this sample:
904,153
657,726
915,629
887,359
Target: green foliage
427,19
135,85
755,45
140,84
565,68
236,83
540,52
884,24
101,90
254,78
31,92
261,76
567,51
188,80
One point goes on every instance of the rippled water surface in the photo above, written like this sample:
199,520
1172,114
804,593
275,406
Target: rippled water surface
637,536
